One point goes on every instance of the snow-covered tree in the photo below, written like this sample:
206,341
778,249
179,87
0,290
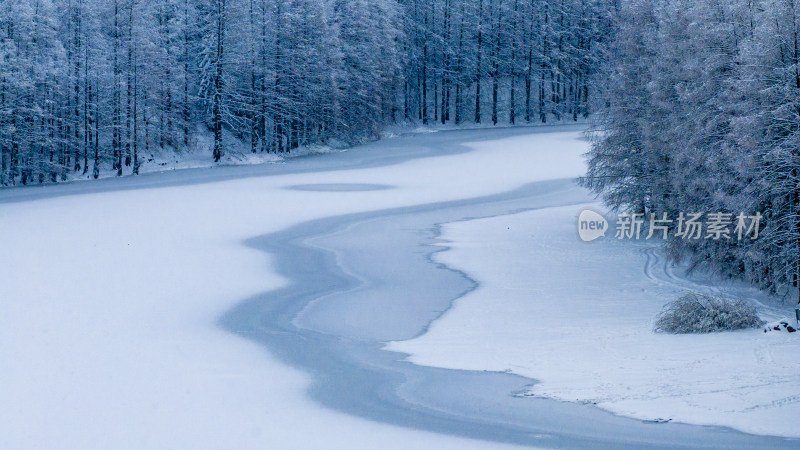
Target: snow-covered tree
105,84
699,111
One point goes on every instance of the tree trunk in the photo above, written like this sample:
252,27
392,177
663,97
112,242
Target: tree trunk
217,100
116,118
478,71
186,44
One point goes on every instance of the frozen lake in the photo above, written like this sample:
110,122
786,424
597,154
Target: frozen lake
128,299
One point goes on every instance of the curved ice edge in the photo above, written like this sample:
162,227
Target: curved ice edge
360,378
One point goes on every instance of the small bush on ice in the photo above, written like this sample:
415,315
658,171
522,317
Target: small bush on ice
700,313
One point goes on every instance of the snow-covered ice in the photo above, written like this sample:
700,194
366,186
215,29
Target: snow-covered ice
113,292
111,300
578,317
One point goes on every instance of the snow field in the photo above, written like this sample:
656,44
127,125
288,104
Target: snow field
578,317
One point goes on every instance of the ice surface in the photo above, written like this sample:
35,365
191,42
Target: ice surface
111,292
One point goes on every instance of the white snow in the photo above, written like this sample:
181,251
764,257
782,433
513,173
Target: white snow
196,156
108,335
577,317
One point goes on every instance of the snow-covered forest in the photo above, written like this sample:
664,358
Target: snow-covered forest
697,103
97,85
699,111
395,228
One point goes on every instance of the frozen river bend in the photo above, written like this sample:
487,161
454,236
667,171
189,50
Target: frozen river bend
126,301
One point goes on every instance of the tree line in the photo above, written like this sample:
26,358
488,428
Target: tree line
91,86
699,112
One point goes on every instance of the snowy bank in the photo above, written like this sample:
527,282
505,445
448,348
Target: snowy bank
578,317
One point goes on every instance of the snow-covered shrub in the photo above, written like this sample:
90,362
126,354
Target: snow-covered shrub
700,313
